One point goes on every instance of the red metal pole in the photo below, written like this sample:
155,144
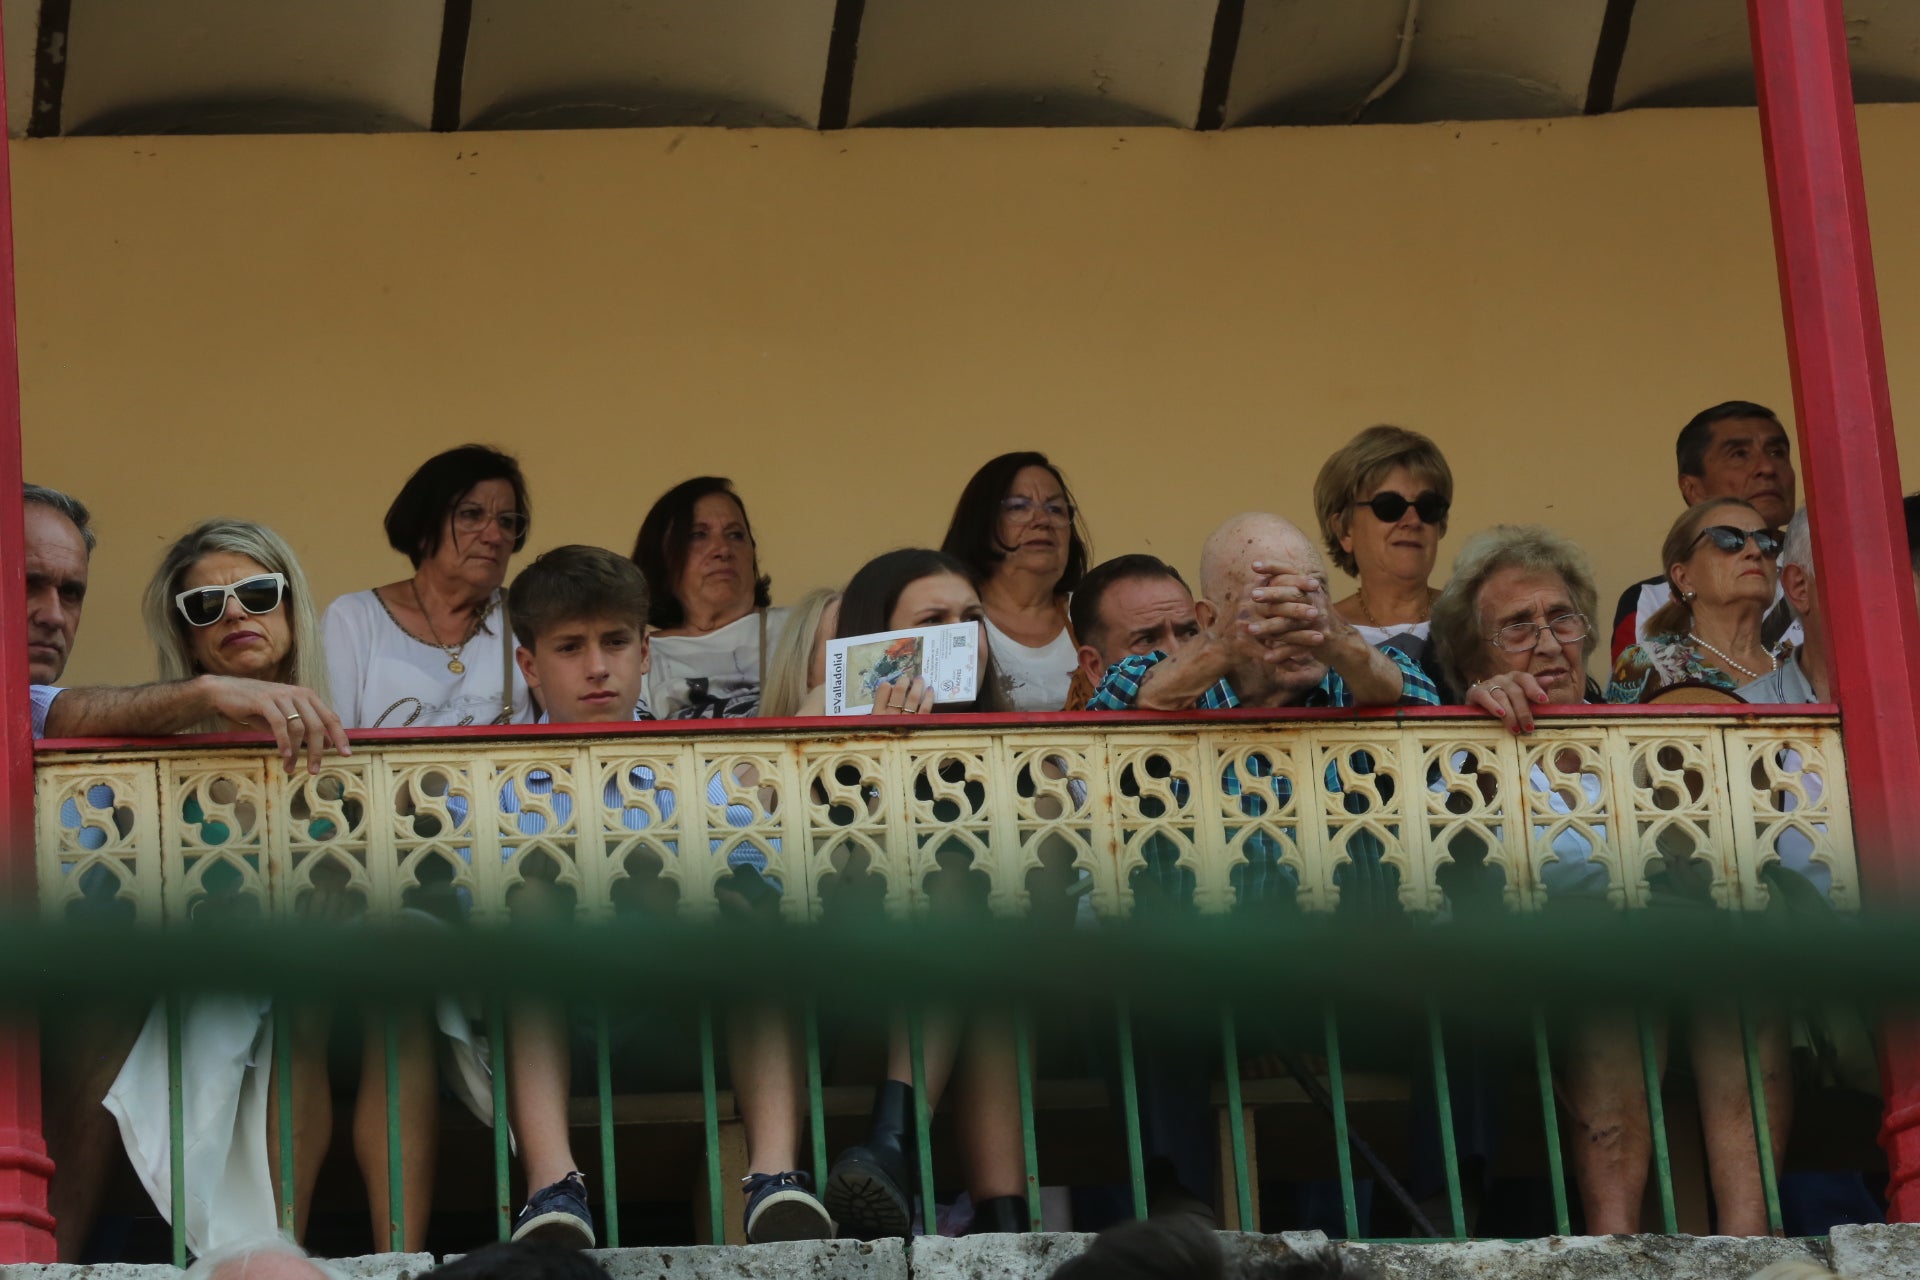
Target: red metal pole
26,1228
1853,480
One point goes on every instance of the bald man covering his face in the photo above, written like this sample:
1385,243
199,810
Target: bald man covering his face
1268,637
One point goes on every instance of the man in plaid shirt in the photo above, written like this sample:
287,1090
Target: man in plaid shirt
1268,638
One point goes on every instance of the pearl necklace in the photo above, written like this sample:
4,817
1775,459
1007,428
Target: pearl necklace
1749,674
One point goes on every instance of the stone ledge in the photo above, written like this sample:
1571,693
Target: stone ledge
377,1266
1586,1258
851,1259
1889,1251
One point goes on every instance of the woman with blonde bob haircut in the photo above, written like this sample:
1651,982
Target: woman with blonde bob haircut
1382,501
220,571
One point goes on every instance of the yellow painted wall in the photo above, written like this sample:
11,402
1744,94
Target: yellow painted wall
848,323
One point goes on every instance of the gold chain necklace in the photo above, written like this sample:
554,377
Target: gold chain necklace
454,664
1748,673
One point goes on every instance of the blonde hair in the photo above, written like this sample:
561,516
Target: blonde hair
1459,630
306,660
1363,463
1675,617
783,685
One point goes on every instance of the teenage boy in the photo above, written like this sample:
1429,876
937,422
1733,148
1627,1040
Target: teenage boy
579,614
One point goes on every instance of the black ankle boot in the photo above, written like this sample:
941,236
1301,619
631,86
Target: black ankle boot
1002,1215
869,1186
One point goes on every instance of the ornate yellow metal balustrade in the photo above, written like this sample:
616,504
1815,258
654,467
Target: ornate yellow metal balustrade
1732,793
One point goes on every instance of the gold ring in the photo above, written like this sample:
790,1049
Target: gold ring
292,716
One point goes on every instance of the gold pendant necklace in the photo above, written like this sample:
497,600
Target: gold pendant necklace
454,664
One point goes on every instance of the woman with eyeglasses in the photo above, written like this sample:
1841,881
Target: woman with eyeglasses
1721,562
434,648
1382,501
1514,629
1018,533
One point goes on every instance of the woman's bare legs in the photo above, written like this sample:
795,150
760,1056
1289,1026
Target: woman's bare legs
419,1125
1726,1111
1604,1088
987,1100
312,1109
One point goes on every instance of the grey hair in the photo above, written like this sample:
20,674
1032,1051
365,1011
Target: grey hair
783,685
1458,630
67,505
307,662
230,1261
1797,547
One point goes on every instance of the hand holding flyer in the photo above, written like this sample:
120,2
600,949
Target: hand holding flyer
947,658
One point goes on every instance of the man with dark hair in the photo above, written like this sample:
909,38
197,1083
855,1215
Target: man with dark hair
1127,605
1152,1249
1736,449
520,1260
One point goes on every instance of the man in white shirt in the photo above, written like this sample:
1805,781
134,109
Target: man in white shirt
1737,449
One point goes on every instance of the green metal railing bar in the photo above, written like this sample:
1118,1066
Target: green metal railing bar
1130,1104
176,1132
502,1127
1443,1097
1029,1139
922,1120
1657,1122
1236,1118
1337,1086
396,1155
1762,1129
710,1114
816,1098
603,1082
1550,1125
283,1094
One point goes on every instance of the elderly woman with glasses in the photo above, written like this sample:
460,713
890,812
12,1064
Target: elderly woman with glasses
1382,501
1514,630
434,648
1720,557
1017,531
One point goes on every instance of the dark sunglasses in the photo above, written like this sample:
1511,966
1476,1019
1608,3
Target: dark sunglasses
1389,506
204,606
1731,539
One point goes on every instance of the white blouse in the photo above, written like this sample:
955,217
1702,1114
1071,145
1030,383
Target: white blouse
1036,679
384,678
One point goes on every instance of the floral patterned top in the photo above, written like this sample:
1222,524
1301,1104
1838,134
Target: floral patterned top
1659,662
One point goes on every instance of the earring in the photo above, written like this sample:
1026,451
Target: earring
1687,596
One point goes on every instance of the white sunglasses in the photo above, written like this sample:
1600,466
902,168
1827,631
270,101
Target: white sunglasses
204,606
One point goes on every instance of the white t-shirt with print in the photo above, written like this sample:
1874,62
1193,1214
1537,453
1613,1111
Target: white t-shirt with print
710,677
383,678
1036,679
